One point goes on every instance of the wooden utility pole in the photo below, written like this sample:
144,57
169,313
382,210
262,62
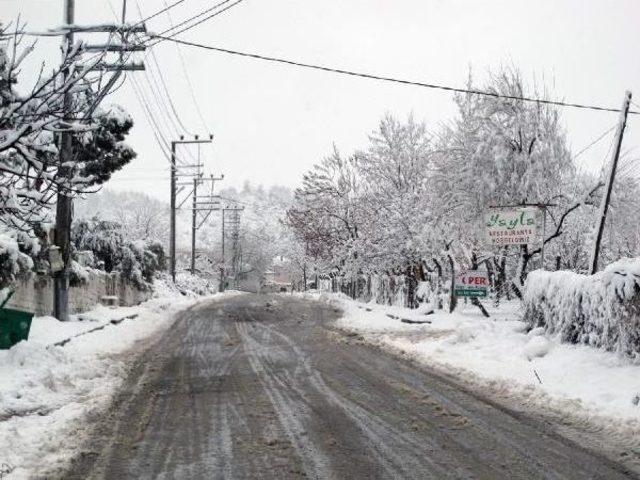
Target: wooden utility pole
64,204
66,170
202,203
194,212
604,204
172,217
222,263
197,174
234,222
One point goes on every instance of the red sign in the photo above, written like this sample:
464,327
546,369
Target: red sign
471,283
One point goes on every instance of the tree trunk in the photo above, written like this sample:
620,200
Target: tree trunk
476,301
439,305
411,282
453,300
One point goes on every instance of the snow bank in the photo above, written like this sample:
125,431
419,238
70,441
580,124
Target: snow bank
187,285
499,357
48,392
601,310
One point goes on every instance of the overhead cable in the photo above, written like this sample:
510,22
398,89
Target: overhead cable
395,80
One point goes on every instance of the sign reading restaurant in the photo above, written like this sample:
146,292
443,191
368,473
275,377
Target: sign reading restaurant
516,226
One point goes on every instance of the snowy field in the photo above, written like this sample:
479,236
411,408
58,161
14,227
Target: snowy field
582,385
48,392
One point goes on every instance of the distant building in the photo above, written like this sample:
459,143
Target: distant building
279,275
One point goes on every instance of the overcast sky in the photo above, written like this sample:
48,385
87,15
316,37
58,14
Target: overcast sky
272,122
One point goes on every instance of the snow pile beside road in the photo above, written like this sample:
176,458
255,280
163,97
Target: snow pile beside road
48,392
601,310
498,356
187,285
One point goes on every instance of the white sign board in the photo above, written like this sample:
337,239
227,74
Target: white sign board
471,283
55,259
517,226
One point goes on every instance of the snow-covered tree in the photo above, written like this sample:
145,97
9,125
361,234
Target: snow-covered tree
113,250
142,216
33,114
410,205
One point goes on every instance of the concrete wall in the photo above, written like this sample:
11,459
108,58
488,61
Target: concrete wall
35,294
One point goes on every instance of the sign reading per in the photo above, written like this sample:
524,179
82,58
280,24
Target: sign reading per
512,227
471,283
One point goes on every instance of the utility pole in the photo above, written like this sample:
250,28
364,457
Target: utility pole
64,204
222,262
234,222
66,171
172,217
195,175
604,204
203,203
193,226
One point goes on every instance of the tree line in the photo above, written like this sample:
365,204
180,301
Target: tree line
408,207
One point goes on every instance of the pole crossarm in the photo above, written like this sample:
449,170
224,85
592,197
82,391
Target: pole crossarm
103,28
117,67
115,48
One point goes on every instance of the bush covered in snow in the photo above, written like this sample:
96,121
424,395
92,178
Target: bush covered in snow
601,310
16,251
111,250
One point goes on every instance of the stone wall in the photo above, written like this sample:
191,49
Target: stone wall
35,294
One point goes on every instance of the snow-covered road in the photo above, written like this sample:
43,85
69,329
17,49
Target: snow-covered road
582,389
265,387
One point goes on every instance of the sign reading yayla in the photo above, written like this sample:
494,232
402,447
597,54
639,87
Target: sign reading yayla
471,283
517,226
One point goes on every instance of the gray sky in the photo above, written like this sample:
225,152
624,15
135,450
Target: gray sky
272,122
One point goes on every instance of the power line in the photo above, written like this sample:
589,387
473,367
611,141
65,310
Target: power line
54,33
392,79
198,15
161,105
147,110
163,82
162,35
594,142
148,113
185,72
159,12
169,116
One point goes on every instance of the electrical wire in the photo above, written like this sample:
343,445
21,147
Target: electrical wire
170,116
185,72
54,33
159,12
161,140
392,79
157,121
169,111
163,82
594,142
157,133
168,32
169,122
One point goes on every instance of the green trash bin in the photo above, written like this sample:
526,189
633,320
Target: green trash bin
14,325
